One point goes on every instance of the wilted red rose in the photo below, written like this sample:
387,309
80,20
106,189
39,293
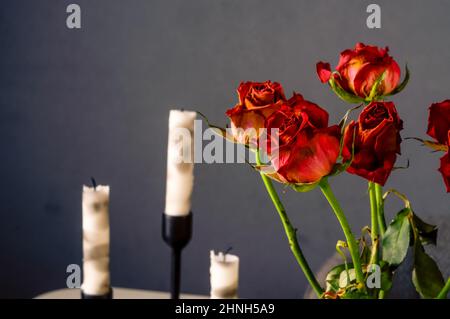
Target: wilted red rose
445,170
439,129
375,140
360,68
303,149
257,101
439,121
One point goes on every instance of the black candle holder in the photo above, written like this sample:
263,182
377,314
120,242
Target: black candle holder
108,295
176,232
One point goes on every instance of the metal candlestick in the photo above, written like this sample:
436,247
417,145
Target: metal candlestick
176,232
108,295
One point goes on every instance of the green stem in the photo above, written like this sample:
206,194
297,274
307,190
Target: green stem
374,222
378,189
444,291
351,241
380,205
290,233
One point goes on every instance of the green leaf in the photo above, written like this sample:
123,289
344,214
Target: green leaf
304,187
341,93
402,85
344,119
395,168
396,238
374,90
386,276
427,232
431,144
355,294
365,255
341,246
399,195
332,278
217,129
222,132
426,277
386,280
339,168
347,277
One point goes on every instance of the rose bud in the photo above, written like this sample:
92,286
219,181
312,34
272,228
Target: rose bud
375,142
439,129
257,101
359,70
303,148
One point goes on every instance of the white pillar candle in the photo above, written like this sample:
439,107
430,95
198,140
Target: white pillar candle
180,163
224,273
96,278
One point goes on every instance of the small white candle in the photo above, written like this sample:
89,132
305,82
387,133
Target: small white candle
224,273
96,278
180,163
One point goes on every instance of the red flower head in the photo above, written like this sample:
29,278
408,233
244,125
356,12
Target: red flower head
375,140
257,101
445,170
439,121
303,149
360,68
439,129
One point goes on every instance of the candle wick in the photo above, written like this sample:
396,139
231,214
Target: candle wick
94,183
182,109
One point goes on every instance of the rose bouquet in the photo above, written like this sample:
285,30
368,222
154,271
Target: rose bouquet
295,145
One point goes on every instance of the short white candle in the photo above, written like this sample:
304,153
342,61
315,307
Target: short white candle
224,273
96,278
180,163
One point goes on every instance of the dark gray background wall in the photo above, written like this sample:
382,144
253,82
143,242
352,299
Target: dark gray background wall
95,101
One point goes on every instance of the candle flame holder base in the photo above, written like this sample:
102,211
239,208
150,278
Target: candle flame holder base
108,295
176,232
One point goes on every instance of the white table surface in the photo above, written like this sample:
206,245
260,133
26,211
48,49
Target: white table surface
118,293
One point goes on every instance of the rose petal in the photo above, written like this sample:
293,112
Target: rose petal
370,73
312,158
245,126
439,121
323,71
445,170
317,116
377,142
361,67
257,101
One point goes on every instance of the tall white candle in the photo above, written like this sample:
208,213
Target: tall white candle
96,278
180,163
224,273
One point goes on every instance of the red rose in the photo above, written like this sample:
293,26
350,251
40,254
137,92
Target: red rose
439,129
439,121
359,69
257,101
376,141
445,170
306,148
